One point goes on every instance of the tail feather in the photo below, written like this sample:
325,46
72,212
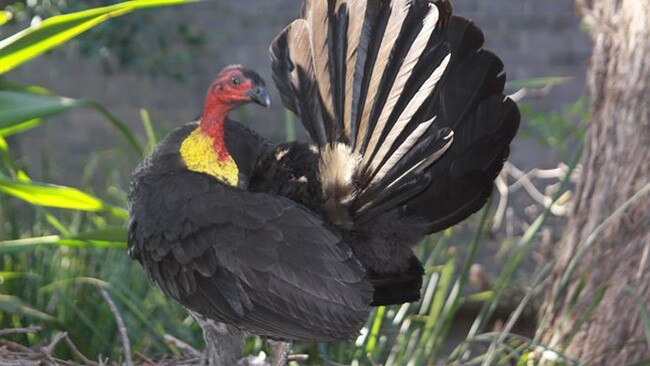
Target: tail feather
403,75
316,13
293,74
374,24
359,34
398,12
404,177
395,81
464,175
338,46
406,117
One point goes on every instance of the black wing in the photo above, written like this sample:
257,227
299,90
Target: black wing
262,263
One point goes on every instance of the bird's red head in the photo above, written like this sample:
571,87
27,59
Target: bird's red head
236,85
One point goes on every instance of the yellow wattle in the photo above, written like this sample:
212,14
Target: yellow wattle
199,156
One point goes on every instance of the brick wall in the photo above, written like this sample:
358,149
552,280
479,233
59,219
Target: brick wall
533,37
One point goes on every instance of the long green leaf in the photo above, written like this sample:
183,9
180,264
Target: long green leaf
50,195
9,85
17,108
645,318
5,16
20,127
20,111
112,237
538,82
14,305
584,317
4,146
52,32
13,275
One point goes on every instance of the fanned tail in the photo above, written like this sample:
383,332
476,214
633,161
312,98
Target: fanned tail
406,107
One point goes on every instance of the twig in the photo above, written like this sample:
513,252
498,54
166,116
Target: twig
120,326
78,353
298,357
47,350
502,186
33,329
530,92
186,348
15,347
145,358
523,180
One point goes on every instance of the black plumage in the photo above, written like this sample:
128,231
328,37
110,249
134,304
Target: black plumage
429,125
257,261
410,127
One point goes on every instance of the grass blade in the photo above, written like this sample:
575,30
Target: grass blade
21,111
112,237
148,128
5,16
14,305
591,239
537,82
289,126
18,108
20,127
598,297
50,195
642,312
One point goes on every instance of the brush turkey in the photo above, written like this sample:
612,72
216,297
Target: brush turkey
296,241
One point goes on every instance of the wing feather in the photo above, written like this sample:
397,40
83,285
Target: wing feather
277,269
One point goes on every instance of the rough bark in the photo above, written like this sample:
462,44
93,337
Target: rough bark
616,163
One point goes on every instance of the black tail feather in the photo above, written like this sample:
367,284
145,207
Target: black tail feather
397,288
418,104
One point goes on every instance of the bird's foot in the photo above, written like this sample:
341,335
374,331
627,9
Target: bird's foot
280,351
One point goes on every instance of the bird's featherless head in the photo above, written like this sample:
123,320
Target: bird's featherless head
235,85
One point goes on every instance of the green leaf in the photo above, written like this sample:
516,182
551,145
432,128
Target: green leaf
52,32
112,237
645,318
17,108
13,305
5,16
20,111
585,315
13,275
20,127
20,87
110,234
537,82
50,195
148,128
4,147
75,280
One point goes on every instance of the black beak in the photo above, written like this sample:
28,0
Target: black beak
260,95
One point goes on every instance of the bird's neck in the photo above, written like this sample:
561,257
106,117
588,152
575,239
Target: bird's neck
213,123
204,150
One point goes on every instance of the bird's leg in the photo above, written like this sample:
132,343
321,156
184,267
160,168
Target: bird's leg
224,344
280,352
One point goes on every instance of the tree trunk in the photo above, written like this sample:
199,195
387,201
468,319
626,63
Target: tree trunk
616,165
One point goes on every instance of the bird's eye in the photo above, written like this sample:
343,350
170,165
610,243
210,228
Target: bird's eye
235,81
